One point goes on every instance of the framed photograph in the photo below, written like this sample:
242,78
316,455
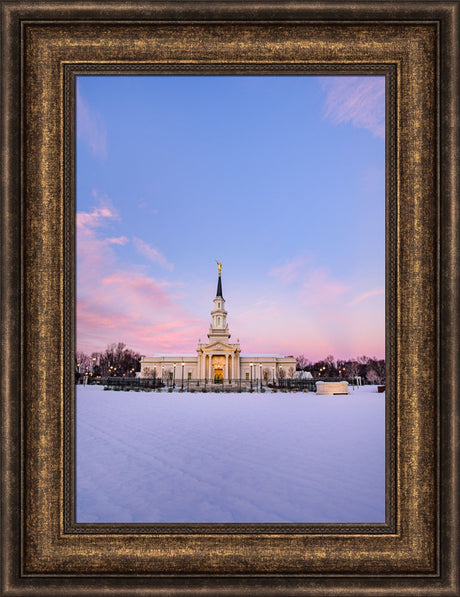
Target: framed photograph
223,162
140,141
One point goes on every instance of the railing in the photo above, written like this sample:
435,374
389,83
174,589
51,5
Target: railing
223,385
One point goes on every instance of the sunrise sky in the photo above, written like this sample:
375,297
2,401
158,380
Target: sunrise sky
279,178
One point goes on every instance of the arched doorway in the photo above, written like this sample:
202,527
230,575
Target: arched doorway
218,367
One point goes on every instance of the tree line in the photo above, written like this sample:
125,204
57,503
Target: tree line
371,369
116,361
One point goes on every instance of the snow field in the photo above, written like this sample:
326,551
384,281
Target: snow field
267,458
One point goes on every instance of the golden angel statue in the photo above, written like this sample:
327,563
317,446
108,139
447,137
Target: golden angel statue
219,265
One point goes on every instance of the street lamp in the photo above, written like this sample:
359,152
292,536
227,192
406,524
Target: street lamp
260,375
273,369
155,376
251,365
174,375
162,371
182,387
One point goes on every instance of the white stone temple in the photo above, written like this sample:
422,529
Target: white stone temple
219,360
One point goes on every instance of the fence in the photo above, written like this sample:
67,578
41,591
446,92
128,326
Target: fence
227,385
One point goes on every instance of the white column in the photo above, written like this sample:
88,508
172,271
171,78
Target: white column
210,367
226,367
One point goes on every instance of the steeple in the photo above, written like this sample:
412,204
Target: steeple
219,326
219,288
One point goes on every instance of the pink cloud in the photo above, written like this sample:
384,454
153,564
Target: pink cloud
289,271
101,322
320,289
152,254
99,215
114,304
366,295
137,310
359,101
117,240
313,317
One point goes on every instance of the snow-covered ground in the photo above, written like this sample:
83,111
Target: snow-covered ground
159,457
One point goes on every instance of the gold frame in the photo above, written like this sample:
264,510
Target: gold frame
44,552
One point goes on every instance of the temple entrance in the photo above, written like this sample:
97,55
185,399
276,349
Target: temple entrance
218,366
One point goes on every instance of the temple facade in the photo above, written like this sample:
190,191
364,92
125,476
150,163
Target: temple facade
219,360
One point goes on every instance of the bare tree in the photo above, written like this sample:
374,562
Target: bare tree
352,368
82,361
342,370
302,362
379,367
117,359
148,372
372,376
363,362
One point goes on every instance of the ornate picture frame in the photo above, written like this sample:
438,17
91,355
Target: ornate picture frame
45,46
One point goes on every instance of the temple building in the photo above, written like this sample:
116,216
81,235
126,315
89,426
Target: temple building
218,360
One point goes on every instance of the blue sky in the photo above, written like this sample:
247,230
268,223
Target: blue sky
280,178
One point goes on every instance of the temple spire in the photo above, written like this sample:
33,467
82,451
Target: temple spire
219,281
219,326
